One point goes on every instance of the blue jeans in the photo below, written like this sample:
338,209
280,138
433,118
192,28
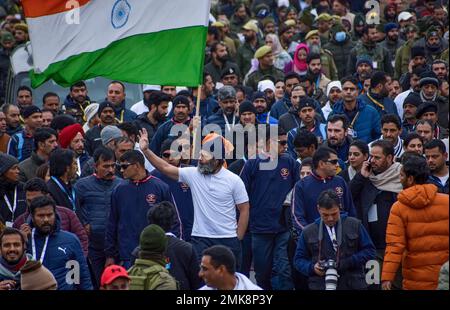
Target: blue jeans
202,243
270,253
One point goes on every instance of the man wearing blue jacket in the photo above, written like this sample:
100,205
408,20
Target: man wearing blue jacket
337,237
378,95
307,190
225,117
94,194
180,108
130,203
283,105
267,190
363,119
21,144
58,250
116,95
262,115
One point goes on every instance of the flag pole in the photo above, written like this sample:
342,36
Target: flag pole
197,113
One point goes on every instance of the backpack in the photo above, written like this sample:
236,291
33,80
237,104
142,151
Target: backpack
155,277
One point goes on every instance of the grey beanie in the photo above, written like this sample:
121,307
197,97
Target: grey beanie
109,133
6,162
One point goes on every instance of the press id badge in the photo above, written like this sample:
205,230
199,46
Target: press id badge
375,64
9,224
352,133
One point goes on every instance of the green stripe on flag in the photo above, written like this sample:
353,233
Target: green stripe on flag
169,57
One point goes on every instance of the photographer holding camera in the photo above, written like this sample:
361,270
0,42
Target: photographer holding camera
332,251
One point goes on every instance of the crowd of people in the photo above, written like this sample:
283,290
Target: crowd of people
345,106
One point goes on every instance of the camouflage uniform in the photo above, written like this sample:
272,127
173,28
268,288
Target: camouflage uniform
328,65
402,58
444,55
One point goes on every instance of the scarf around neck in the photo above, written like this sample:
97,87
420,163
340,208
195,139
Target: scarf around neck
388,180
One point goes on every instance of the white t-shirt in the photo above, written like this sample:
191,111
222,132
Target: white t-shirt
139,107
215,197
242,284
443,179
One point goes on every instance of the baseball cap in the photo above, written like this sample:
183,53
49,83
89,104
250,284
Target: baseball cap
404,16
113,272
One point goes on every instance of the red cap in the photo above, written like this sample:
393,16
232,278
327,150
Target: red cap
68,133
113,272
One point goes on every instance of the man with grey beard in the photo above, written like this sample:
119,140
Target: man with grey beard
328,65
216,194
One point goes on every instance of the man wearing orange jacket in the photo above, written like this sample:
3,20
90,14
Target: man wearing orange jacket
418,230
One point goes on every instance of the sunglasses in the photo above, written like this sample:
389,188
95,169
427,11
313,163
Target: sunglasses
333,161
166,155
124,166
282,142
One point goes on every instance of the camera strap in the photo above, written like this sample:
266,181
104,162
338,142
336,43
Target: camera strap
338,239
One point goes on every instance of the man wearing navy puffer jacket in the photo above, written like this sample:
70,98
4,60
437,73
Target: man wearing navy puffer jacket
54,247
94,193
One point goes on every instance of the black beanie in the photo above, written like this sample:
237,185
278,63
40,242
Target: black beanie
180,99
426,107
30,110
428,77
417,51
105,104
6,162
62,121
306,102
247,106
413,98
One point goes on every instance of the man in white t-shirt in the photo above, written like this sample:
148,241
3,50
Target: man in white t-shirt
216,194
218,271
140,107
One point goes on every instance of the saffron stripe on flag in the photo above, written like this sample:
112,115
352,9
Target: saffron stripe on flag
38,8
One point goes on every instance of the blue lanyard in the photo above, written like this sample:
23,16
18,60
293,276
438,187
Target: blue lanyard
71,197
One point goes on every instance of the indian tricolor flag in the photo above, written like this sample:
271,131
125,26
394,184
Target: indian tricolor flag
137,41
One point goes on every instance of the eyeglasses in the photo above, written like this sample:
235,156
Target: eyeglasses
166,155
333,161
282,142
124,166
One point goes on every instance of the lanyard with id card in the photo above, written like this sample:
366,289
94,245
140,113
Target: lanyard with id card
12,207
